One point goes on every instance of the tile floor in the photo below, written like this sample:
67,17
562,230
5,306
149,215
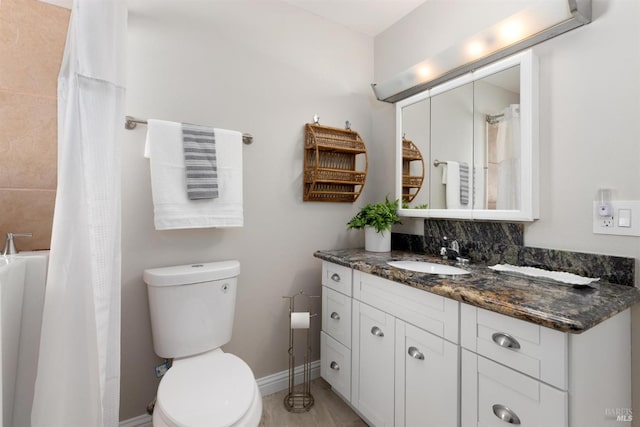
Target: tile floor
328,410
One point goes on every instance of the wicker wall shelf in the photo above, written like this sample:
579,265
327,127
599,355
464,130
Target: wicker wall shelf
335,164
411,179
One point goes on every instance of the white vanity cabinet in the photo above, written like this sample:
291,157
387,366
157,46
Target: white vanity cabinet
520,373
405,357
404,372
335,338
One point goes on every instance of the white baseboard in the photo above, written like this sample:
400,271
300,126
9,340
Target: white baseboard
280,380
267,385
139,421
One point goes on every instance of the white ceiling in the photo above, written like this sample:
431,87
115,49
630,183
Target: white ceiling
370,17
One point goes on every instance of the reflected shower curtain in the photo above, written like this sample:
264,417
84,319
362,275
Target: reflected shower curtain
508,157
78,377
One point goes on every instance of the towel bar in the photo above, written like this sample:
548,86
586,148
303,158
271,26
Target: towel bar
132,122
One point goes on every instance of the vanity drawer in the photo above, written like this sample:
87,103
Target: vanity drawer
336,315
337,277
532,349
335,365
490,390
433,313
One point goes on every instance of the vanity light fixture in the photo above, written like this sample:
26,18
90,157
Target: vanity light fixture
535,24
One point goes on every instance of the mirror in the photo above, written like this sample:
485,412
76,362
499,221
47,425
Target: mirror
477,136
497,140
415,154
451,148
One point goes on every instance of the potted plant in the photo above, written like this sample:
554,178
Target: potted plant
377,219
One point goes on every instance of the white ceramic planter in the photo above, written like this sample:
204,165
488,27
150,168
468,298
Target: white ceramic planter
376,242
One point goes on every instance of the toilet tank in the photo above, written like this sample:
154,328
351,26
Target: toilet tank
191,307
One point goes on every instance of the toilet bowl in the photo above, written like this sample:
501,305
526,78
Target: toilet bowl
210,390
192,309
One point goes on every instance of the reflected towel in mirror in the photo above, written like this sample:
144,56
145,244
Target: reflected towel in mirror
456,179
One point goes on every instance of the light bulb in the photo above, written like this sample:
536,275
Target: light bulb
512,31
476,48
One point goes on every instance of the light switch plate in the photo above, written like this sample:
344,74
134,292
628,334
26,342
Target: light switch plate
616,224
624,218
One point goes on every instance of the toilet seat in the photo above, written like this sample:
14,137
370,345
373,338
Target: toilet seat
211,389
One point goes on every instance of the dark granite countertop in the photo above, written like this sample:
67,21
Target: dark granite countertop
558,307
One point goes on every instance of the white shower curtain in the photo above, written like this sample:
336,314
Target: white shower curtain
508,158
78,377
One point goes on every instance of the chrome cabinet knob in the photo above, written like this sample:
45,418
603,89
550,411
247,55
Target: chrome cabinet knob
505,414
415,353
335,277
505,340
377,331
335,316
334,366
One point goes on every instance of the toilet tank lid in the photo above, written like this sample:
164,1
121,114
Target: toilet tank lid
191,273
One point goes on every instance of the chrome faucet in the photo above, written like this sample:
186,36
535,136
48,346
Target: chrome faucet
9,246
451,251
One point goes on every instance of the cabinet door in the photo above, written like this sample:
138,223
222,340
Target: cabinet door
426,379
495,396
372,385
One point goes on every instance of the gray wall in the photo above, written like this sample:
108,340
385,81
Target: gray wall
259,67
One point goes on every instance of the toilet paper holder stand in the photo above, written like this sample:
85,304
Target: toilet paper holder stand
299,397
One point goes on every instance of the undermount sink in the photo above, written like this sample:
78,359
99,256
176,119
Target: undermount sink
427,267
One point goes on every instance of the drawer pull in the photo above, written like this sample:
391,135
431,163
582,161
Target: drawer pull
377,332
335,277
505,340
506,414
334,366
415,353
335,316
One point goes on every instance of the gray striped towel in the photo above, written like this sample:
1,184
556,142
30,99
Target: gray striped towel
199,144
464,183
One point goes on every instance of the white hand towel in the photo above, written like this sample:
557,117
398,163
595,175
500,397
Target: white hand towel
452,193
172,207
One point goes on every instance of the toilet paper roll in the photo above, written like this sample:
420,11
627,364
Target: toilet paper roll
300,320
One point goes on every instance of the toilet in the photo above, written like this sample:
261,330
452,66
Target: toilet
192,308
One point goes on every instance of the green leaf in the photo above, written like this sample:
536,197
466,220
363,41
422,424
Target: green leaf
380,216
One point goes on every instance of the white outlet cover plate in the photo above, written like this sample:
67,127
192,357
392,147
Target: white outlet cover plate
615,229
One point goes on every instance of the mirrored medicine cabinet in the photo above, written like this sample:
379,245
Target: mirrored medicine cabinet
468,148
